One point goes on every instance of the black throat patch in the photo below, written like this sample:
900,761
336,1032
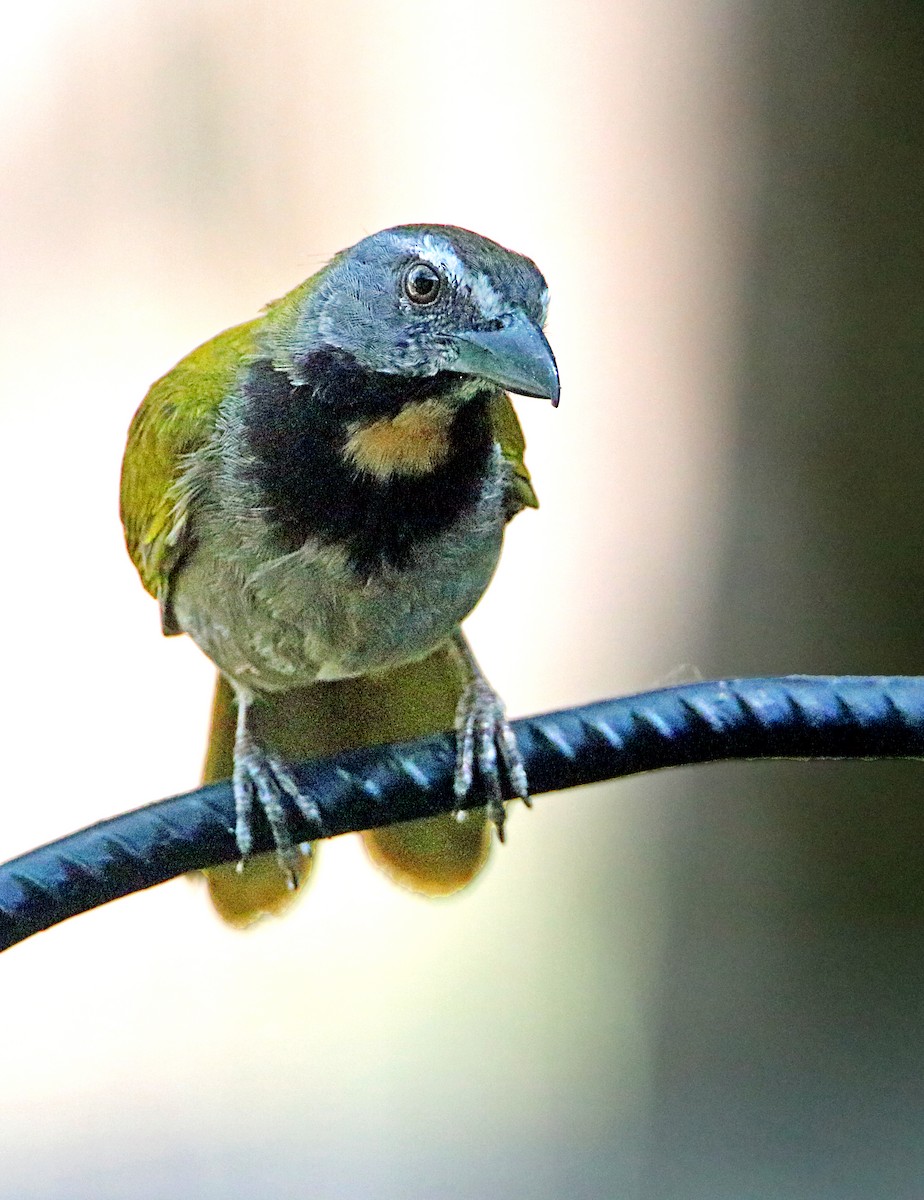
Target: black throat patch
297,435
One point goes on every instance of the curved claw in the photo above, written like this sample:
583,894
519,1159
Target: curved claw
264,779
482,729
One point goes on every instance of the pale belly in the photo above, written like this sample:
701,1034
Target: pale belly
291,621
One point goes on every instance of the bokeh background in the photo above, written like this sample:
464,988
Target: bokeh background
708,984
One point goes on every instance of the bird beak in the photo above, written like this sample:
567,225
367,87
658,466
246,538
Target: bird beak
517,357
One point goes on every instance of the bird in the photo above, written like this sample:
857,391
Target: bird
318,498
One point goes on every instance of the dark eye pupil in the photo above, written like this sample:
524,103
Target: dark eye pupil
422,284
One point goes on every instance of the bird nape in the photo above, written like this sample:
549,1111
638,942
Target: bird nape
318,498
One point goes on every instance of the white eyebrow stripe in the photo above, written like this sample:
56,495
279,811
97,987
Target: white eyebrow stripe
476,283
439,254
484,295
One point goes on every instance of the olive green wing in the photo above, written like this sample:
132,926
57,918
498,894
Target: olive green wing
509,434
175,419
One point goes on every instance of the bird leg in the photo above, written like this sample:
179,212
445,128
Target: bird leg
482,729
262,778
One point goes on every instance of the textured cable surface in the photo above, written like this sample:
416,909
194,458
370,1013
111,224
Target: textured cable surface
796,716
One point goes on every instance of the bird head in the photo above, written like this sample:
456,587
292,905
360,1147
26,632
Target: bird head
420,300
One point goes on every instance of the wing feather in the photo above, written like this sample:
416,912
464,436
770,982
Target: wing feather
175,419
509,433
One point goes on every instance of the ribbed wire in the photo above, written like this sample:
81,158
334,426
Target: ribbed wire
796,716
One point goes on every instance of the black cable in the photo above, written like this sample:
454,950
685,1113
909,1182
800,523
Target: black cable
797,716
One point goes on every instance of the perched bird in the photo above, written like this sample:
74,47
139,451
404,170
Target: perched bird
318,498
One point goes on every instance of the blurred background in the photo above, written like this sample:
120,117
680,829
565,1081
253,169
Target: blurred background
706,984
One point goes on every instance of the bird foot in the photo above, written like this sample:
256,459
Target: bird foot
482,729
262,778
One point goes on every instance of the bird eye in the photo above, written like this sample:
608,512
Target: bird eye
421,283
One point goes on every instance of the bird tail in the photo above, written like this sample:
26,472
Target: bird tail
434,857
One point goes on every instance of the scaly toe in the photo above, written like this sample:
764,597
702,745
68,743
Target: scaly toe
484,738
262,778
